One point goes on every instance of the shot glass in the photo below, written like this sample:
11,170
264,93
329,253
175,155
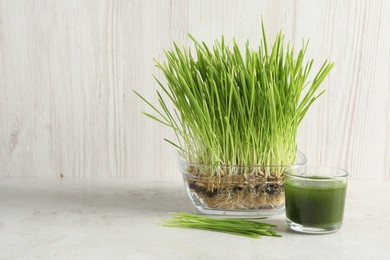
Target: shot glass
315,198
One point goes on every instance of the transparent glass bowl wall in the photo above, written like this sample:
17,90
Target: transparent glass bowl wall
237,190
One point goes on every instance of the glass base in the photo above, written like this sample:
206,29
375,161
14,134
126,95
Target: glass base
261,212
241,213
313,230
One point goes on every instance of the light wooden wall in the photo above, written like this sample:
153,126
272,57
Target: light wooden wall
67,69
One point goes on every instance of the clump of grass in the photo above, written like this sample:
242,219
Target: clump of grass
233,108
236,226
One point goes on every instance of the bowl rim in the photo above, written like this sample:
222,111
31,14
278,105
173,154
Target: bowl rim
303,162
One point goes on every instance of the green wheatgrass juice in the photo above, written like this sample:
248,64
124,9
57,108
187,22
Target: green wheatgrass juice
318,202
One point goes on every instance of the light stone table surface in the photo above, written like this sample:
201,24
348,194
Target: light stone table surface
118,219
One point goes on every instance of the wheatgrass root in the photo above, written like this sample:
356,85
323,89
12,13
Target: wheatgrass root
248,191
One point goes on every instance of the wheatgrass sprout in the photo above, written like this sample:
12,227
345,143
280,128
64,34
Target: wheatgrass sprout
234,107
236,226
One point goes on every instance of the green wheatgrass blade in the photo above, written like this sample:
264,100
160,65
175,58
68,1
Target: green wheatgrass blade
244,227
228,105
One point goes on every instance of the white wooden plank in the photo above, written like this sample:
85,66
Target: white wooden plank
67,70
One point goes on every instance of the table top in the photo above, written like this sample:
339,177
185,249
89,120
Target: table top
119,219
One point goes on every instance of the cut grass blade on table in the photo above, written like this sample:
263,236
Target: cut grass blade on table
236,226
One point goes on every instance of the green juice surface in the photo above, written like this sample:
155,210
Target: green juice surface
315,203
